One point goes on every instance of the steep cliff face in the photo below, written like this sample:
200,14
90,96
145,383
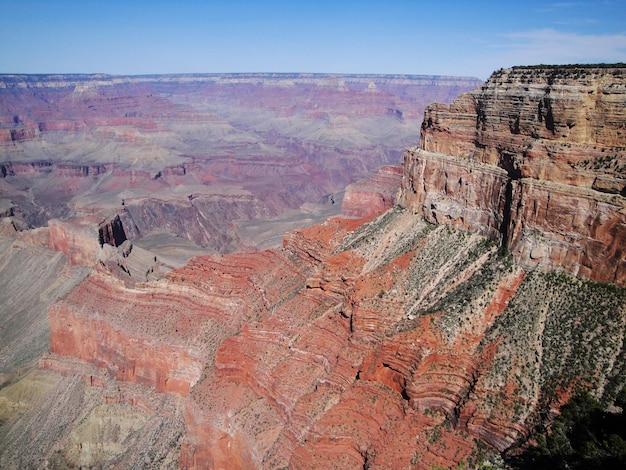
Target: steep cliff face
373,195
76,239
112,232
535,158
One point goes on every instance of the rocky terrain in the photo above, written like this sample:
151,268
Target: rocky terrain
482,287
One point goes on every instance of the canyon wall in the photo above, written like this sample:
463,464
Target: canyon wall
536,159
372,195
393,343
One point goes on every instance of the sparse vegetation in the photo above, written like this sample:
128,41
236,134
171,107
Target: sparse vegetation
614,162
484,457
554,73
369,235
558,331
455,252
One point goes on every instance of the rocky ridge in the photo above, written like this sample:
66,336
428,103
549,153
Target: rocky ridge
333,350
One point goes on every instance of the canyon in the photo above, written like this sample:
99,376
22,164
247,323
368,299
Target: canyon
538,164
459,300
224,162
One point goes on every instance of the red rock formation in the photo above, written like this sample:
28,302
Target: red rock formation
128,334
529,158
386,342
565,227
456,192
340,396
141,355
341,349
77,239
207,446
373,195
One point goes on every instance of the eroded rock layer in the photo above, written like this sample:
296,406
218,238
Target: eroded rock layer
535,158
390,344
373,195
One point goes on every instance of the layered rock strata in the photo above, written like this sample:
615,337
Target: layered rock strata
128,335
373,195
389,344
535,159
386,342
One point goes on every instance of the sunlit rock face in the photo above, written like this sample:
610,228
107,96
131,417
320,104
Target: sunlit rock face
373,195
535,158
353,336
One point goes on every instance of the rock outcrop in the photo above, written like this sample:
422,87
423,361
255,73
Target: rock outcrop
373,195
112,232
535,159
77,239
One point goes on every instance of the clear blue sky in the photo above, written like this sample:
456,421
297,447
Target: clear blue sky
413,37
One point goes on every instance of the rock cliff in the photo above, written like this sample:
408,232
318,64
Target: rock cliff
373,195
392,344
536,159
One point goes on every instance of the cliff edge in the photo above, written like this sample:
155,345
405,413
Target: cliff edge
535,159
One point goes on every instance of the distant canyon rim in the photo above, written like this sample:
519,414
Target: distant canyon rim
220,162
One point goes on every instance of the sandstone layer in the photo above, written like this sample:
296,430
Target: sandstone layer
389,344
373,195
536,159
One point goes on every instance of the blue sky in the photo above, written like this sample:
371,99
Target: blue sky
413,37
